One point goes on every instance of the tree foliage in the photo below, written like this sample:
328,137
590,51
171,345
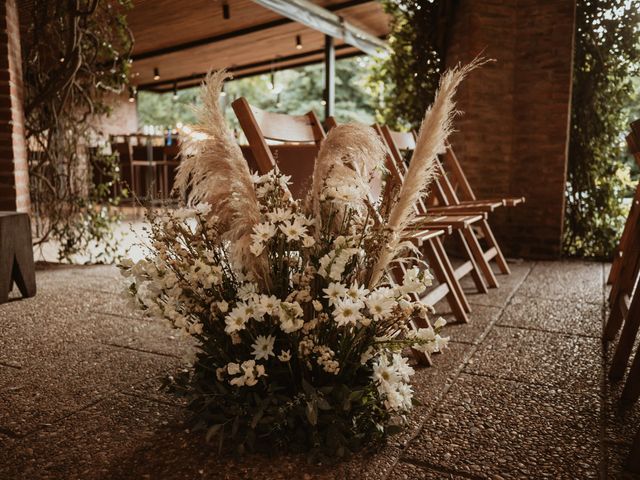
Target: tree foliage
607,53
75,55
294,91
405,81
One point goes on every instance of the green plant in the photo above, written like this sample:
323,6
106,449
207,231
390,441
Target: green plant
607,53
405,81
75,55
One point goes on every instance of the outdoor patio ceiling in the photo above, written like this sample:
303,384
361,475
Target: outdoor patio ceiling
183,40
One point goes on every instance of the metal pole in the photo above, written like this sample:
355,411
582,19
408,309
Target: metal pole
329,76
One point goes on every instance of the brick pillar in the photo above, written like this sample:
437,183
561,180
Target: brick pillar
513,137
14,179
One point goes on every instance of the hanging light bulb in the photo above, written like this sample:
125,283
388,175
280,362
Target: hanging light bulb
132,94
222,92
156,74
298,42
175,91
226,11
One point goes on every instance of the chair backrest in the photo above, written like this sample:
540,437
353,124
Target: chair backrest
457,173
401,140
260,126
398,141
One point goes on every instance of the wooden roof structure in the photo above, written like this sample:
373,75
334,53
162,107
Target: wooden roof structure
179,41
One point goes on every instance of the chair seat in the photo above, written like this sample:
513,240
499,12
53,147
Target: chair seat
454,221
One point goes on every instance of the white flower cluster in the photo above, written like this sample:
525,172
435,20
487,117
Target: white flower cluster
243,374
430,340
255,307
357,306
392,381
313,315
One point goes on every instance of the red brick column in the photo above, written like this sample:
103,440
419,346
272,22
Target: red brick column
14,179
513,137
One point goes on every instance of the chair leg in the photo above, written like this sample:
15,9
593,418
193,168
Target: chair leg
478,254
631,390
633,464
479,282
491,241
459,292
627,339
440,272
614,322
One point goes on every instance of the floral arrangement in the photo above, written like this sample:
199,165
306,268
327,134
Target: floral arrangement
298,309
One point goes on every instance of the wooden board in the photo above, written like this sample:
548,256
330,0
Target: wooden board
161,24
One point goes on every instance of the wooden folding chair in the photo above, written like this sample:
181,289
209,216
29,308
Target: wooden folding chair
260,126
460,182
625,307
625,311
478,258
633,141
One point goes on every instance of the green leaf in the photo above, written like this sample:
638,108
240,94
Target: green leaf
312,412
323,404
308,388
213,431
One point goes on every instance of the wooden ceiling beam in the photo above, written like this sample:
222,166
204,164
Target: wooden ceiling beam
196,80
327,22
235,33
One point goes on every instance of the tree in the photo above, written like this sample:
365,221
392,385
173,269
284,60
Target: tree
75,54
606,57
405,82
294,91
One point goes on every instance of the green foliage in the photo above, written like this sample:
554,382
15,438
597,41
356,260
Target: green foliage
606,56
405,82
328,421
75,58
295,91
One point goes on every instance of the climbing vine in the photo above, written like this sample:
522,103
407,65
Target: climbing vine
405,81
607,53
75,56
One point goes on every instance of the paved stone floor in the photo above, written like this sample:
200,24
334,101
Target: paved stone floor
521,393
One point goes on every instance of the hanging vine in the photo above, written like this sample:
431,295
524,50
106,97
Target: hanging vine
405,82
607,54
75,55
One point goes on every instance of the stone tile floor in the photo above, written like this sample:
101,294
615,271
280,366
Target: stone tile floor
521,393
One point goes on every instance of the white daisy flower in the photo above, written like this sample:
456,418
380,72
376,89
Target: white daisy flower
383,373
347,312
270,304
293,230
279,215
334,292
284,356
263,347
380,306
235,321
263,231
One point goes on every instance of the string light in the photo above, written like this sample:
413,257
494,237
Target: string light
298,42
132,94
156,74
175,91
226,11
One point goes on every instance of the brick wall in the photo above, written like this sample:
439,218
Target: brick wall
513,136
14,180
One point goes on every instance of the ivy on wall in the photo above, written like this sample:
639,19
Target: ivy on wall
75,55
607,52
405,82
